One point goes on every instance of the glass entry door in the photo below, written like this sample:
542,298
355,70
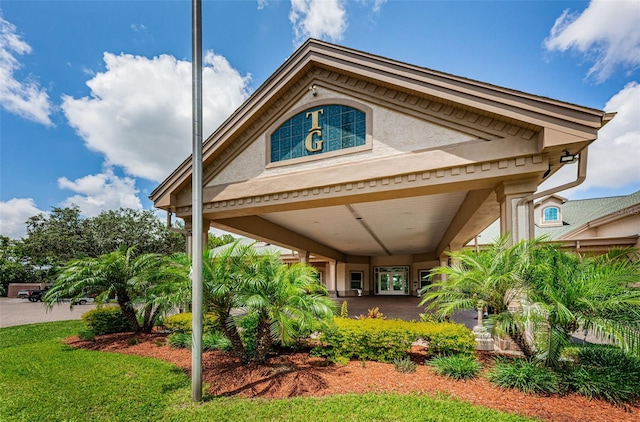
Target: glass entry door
392,281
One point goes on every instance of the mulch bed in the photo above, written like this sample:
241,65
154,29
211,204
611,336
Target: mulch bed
300,375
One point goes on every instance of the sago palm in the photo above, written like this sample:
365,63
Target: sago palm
288,300
121,275
491,278
596,293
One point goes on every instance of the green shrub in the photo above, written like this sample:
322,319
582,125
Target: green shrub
106,320
248,331
604,372
405,365
87,335
459,367
182,322
524,375
214,340
385,340
179,340
132,341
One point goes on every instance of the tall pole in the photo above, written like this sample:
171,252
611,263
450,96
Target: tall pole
196,187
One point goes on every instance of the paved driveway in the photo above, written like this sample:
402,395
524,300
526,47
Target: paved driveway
21,311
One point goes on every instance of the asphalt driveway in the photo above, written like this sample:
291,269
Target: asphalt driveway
21,311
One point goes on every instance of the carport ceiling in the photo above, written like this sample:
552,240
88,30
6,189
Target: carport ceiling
393,227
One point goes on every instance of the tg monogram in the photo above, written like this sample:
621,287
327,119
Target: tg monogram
310,144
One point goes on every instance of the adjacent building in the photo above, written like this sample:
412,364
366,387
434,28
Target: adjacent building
588,226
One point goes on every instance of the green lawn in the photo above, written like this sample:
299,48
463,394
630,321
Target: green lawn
41,379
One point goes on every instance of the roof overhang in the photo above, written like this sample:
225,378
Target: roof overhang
441,196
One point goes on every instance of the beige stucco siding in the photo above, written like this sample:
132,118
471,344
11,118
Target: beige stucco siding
393,133
627,226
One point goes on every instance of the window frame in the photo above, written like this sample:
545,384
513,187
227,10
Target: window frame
351,281
550,208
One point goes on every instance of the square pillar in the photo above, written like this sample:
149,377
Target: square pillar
188,225
516,217
303,257
331,279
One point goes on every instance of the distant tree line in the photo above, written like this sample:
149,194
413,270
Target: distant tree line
63,234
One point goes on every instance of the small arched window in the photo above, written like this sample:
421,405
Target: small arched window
551,214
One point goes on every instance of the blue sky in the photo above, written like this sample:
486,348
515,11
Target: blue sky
95,95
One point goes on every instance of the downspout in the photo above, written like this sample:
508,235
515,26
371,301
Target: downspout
582,175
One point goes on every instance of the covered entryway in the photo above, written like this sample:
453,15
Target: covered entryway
372,169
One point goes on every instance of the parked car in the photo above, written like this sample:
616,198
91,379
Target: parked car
36,295
23,293
82,300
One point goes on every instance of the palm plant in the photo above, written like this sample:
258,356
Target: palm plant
572,292
122,275
286,299
223,275
488,278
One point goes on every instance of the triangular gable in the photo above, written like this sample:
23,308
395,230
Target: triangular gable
481,111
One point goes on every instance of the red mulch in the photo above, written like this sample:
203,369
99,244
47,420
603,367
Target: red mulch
298,374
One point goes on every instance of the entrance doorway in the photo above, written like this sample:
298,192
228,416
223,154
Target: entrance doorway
391,280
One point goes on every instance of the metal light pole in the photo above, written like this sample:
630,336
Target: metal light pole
196,187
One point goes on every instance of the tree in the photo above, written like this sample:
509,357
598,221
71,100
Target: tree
127,227
122,275
571,292
12,267
56,238
490,278
62,235
560,292
214,241
287,299
238,283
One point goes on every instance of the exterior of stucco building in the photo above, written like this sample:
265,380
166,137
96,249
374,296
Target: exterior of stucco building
372,169
587,226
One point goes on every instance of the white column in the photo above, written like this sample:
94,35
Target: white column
331,278
303,257
517,220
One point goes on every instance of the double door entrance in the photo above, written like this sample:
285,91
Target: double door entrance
391,280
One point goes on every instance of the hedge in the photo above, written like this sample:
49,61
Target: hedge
182,322
106,320
385,340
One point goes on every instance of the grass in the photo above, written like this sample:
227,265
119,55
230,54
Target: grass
44,380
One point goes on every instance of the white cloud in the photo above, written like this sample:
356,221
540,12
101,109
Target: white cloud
24,98
139,112
606,33
322,19
99,192
614,158
262,4
13,215
376,4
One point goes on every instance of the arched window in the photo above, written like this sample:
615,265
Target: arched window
551,214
